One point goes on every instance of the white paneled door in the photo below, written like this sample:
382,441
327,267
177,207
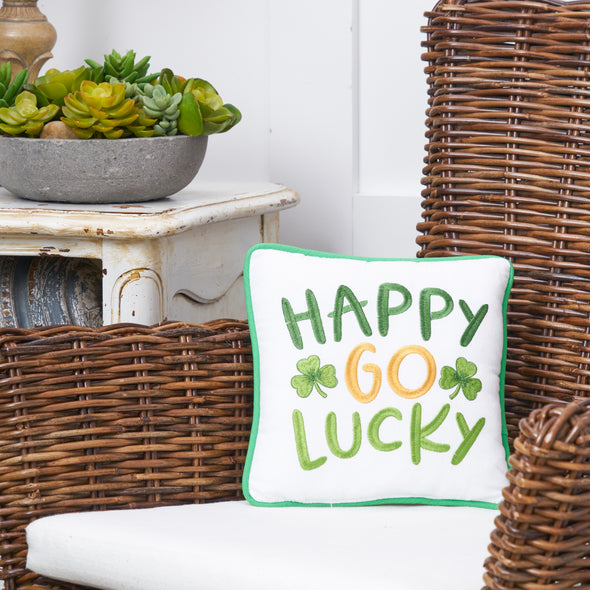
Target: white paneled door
347,103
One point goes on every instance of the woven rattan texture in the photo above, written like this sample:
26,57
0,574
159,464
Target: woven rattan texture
541,540
508,173
117,417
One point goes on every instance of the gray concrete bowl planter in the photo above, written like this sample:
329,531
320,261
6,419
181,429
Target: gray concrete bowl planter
99,170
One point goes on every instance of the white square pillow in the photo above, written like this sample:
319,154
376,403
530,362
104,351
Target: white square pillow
376,381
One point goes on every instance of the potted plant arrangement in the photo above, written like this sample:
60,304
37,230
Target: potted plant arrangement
160,122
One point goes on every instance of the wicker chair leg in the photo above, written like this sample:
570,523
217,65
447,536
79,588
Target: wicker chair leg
542,535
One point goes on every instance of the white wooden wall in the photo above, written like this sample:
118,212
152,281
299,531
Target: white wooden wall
332,91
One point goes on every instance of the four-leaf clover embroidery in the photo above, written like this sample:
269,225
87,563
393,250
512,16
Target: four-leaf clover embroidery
461,377
312,376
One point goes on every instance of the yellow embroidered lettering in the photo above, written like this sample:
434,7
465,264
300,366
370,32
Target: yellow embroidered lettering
394,366
351,374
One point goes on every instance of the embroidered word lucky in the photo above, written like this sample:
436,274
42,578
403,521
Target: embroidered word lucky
418,435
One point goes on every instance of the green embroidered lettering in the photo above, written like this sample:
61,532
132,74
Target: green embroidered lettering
332,436
301,444
383,309
375,425
348,308
469,437
474,321
342,293
418,434
426,313
292,319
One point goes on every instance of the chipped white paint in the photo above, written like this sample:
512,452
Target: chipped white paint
176,258
138,291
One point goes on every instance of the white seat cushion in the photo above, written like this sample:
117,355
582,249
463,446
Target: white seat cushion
231,545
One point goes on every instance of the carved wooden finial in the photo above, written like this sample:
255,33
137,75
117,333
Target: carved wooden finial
26,37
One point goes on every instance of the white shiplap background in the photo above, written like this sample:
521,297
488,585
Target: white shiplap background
332,92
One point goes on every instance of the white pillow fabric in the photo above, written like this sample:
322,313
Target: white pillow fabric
376,381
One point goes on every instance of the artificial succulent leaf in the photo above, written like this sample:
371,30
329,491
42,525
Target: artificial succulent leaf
117,93
204,85
124,109
210,99
128,120
190,121
33,128
211,127
98,114
6,73
42,99
46,113
11,129
80,74
150,112
78,122
236,112
72,104
106,125
83,133
165,79
26,104
15,87
220,115
56,84
11,116
113,133
142,132
54,91
92,101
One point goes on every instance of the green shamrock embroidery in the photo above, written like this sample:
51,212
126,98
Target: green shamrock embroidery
462,378
312,375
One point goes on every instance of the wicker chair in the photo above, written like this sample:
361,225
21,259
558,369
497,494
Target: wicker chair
508,173
123,416
128,416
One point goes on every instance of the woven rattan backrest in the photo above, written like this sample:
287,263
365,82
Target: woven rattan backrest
508,173
120,416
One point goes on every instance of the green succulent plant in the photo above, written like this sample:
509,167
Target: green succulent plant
202,111
24,117
121,68
217,117
160,105
10,89
171,82
54,85
116,98
101,110
132,90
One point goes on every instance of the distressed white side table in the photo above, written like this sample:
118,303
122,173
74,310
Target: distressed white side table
176,258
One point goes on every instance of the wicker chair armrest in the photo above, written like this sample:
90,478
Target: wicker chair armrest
122,416
541,535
